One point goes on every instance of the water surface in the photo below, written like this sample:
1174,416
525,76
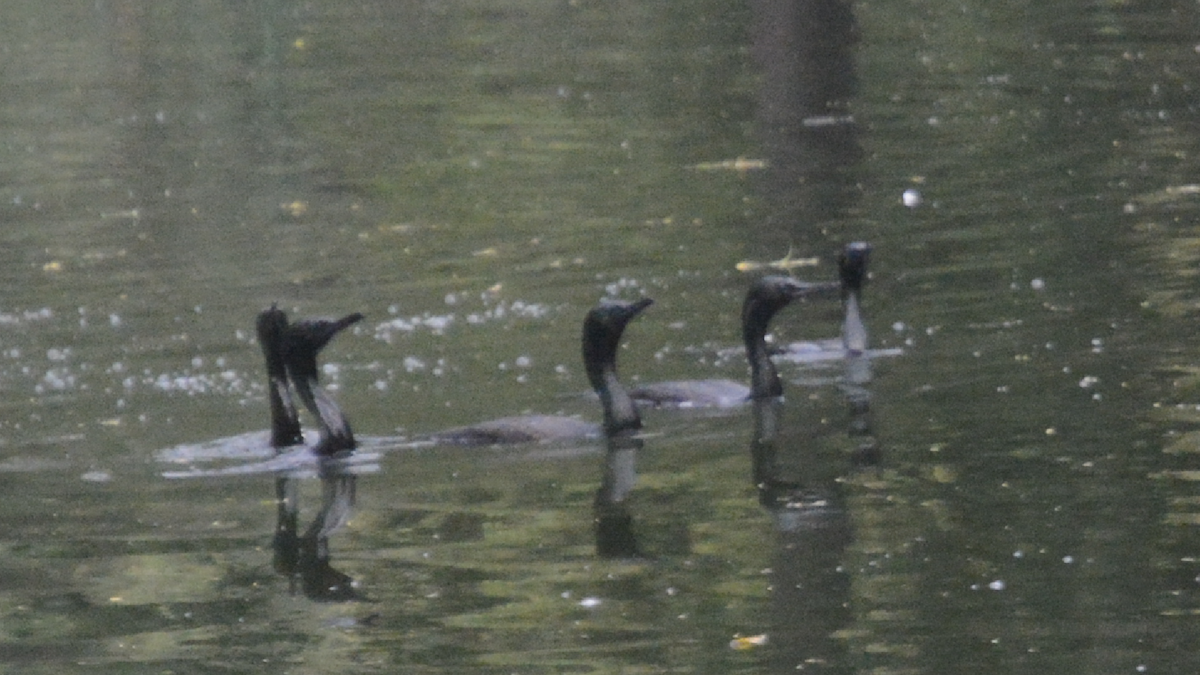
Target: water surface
473,177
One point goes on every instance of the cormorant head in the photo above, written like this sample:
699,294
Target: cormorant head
852,265
602,328
303,340
767,296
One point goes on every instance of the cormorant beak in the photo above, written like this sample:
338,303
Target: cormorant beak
316,333
638,307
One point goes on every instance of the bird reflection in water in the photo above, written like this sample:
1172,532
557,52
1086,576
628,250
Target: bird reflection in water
857,374
304,559
804,495
291,352
810,591
615,537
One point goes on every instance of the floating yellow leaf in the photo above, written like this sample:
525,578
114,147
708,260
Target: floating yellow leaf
785,263
748,642
295,209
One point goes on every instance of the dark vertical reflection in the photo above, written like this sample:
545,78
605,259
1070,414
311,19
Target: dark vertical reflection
810,591
803,491
615,536
857,372
856,377
304,559
805,53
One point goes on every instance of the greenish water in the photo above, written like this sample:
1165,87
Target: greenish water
473,177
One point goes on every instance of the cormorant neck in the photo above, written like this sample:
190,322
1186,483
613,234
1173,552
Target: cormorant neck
764,379
285,423
852,268
620,412
600,361
854,332
756,315
602,330
336,434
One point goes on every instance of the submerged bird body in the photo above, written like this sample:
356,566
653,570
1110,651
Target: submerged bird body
692,394
602,329
520,429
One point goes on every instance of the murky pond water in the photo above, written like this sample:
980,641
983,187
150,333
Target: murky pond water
473,177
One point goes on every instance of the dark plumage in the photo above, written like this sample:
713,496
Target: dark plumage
299,346
602,329
285,423
290,353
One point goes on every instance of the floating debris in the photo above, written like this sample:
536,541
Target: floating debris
1169,194
748,642
741,164
130,214
818,121
295,209
785,263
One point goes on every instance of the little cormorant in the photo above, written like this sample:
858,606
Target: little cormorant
602,329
